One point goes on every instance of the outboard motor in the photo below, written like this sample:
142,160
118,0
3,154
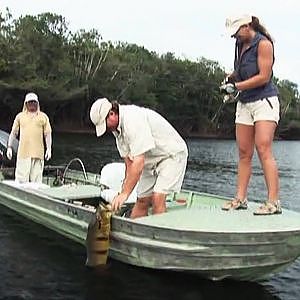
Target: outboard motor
112,176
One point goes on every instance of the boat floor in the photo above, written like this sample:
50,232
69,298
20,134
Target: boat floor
202,216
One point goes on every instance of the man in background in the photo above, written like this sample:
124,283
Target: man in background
33,127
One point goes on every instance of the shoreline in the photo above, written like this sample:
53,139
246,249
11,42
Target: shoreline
200,136
206,136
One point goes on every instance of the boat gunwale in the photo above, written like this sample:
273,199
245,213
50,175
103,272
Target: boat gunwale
121,235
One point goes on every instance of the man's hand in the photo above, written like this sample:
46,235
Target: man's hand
118,201
9,153
48,154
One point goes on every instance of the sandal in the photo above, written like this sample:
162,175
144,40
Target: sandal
235,204
268,208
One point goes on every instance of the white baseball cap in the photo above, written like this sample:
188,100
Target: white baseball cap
234,23
98,114
31,97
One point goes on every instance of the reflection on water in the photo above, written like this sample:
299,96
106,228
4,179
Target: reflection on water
36,263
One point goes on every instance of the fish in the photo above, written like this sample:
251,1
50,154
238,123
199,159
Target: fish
97,240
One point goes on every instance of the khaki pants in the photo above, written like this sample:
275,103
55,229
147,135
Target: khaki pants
29,170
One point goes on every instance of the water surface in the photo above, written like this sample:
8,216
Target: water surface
36,263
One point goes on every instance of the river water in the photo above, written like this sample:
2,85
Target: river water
36,263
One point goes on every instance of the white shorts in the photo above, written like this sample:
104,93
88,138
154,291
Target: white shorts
266,109
29,170
164,177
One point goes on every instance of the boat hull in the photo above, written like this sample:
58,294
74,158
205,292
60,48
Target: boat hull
67,219
212,255
201,238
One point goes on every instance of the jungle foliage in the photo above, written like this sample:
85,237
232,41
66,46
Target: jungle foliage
70,70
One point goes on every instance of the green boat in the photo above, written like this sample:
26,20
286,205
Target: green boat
194,235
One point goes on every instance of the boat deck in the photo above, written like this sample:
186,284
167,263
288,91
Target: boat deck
203,213
216,220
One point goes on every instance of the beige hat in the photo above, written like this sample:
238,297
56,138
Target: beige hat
234,23
98,114
31,97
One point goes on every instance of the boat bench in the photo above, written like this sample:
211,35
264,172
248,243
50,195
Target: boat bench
71,193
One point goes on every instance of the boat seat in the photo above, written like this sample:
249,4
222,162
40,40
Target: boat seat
112,175
71,192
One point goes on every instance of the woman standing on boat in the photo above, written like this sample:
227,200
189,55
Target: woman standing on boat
257,111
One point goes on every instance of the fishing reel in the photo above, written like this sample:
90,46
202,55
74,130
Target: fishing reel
229,90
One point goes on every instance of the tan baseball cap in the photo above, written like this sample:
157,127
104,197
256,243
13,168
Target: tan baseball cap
98,114
234,23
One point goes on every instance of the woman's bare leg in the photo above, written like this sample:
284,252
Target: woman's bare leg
264,134
245,142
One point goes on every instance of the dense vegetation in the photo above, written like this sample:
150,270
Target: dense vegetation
70,70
